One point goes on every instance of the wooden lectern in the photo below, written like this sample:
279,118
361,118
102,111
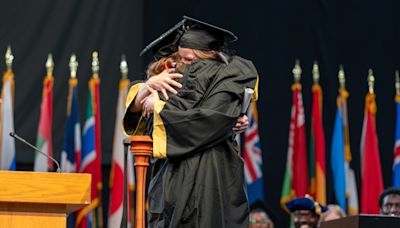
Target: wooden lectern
363,221
142,149
39,199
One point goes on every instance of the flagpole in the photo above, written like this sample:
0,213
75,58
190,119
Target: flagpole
371,81
315,72
9,61
342,79
73,65
297,71
126,142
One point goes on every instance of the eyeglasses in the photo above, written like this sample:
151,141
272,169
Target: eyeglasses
263,222
389,206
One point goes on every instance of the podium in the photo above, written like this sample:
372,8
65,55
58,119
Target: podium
39,199
364,221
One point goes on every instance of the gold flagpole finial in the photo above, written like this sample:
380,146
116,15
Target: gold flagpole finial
397,83
297,71
50,65
73,65
342,78
315,72
9,58
95,64
124,67
371,81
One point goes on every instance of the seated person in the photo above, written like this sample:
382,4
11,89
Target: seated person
389,202
334,212
261,216
306,212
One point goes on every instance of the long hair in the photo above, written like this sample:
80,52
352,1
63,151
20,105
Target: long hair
173,61
162,64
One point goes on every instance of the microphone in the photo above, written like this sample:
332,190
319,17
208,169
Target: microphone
15,136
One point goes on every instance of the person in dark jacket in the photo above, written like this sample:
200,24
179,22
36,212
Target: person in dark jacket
201,182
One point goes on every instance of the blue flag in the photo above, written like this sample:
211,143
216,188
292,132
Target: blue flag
71,154
396,160
253,158
338,161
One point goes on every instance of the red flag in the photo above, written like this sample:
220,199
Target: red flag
295,184
317,148
44,141
371,183
300,164
95,86
91,215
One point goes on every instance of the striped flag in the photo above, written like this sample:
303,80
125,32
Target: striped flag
344,180
71,153
253,157
396,160
117,168
7,121
296,182
371,180
43,140
317,148
91,215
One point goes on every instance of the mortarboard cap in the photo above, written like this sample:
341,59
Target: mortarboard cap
306,203
203,36
189,33
167,43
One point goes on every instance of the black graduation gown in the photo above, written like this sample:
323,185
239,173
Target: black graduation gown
201,183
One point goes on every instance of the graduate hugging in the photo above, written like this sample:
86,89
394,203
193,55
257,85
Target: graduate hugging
190,106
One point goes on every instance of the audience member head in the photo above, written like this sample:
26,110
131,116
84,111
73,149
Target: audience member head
306,212
261,216
334,212
389,202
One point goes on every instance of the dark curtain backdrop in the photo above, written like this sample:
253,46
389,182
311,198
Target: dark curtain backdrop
358,34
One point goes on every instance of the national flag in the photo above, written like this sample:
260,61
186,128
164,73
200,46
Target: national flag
71,153
7,153
44,140
296,182
396,160
345,186
317,148
371,182
117,167
253,158
91,215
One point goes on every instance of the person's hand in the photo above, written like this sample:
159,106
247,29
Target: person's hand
242,124
148,102
165,81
